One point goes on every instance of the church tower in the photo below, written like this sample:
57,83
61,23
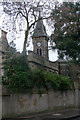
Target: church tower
40,43
39,56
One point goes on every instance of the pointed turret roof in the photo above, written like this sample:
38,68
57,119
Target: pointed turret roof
40,30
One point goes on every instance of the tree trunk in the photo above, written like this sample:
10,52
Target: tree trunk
25,41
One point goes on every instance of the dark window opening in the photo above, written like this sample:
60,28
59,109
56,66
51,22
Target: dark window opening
38,29
40,52
37,51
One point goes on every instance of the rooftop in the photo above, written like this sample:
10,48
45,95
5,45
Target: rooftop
40,30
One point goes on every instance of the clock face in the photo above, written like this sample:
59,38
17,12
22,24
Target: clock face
39,44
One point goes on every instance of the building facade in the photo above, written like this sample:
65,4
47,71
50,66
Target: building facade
39,56
3,47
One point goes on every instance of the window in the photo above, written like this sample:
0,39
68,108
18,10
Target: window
40,52
37,51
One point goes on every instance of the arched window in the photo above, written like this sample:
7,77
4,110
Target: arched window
40,52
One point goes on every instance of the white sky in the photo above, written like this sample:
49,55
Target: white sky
53,56
19,41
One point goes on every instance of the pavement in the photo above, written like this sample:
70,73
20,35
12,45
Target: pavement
71,114
59,115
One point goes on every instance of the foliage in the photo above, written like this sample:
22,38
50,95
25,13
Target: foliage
19,77
38,78
17,73
66,35
48,80
56,81
10,52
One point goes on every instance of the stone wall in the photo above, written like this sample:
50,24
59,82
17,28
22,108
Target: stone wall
20,104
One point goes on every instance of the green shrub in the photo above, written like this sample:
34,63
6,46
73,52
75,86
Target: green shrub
48,80
65,83
19,77
17,74
56,81
38,78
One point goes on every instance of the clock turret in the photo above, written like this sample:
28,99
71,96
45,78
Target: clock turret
40,43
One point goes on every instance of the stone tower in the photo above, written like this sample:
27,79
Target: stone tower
40,43
39,56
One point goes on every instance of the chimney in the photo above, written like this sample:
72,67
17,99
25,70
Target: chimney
3,34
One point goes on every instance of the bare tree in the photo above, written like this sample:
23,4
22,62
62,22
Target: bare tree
29,11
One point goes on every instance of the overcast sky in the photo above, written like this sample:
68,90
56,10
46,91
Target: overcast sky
20,37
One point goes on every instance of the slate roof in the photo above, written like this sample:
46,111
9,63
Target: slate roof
40,30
